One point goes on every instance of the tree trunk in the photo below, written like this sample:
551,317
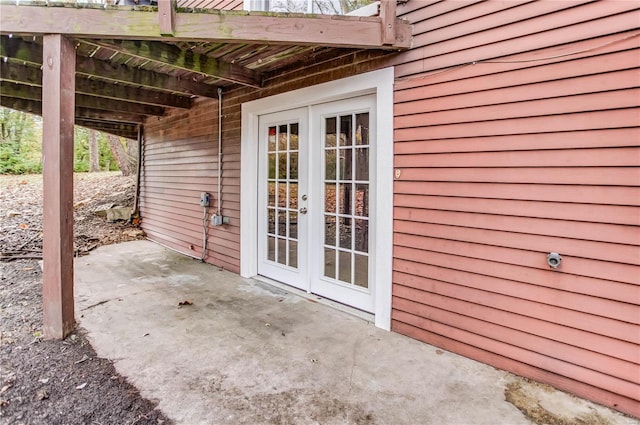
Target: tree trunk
94,154
120,155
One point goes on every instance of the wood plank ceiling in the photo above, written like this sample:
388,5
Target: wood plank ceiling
122,81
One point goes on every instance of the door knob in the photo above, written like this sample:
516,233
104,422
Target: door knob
303,210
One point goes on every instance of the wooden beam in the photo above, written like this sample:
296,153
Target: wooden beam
167,17
31,53
35,107
187,60
388,17
23,74
212,26
58,82
23,91
108,127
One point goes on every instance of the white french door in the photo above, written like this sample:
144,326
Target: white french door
282,194
316,199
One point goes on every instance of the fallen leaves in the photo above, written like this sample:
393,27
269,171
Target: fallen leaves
185,302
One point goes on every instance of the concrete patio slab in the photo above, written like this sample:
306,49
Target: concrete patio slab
245,352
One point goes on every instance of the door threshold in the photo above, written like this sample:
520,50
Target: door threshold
368,317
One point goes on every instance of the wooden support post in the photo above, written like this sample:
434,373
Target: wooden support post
58,107
167,17
388,17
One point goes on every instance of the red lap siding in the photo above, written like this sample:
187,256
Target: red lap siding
517,134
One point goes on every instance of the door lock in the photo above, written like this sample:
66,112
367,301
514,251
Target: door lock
304,197
303,210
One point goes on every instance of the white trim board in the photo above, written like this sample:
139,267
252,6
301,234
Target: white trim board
378,82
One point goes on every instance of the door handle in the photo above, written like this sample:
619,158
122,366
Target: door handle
303,210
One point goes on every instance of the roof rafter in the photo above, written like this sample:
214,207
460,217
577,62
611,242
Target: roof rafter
212,26
26,92
25,51
23,74
187,60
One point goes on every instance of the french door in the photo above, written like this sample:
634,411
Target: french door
316,200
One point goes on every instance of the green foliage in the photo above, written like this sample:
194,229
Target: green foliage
81,152
21,145
20,136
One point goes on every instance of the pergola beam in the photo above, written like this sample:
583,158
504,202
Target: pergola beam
213,26
31,53
187,60
23,74
26,92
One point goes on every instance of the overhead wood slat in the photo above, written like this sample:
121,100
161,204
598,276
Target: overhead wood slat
177,58
24,74
34,93
22,50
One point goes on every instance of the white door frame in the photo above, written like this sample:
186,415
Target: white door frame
378,82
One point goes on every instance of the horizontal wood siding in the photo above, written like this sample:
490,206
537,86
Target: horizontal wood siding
517,134
180,160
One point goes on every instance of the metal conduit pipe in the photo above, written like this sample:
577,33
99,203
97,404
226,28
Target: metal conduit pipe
219,199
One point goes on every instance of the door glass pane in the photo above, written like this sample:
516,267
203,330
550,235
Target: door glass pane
330,263
361,272
282,251
272,166
293,136
282,166
330,164
362,164
344,266
345,232
361,235
282,194
271,227
346,163
293,225
293,165
330,132
362,129
344,199
330,197
272,139
282,138
362,200
293,195
282,223
293,254
330,230
271,196
346,138
271,248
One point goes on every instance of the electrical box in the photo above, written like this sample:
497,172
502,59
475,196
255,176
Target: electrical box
216,220
204,199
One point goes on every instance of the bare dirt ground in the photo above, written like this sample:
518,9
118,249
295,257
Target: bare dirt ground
58,382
